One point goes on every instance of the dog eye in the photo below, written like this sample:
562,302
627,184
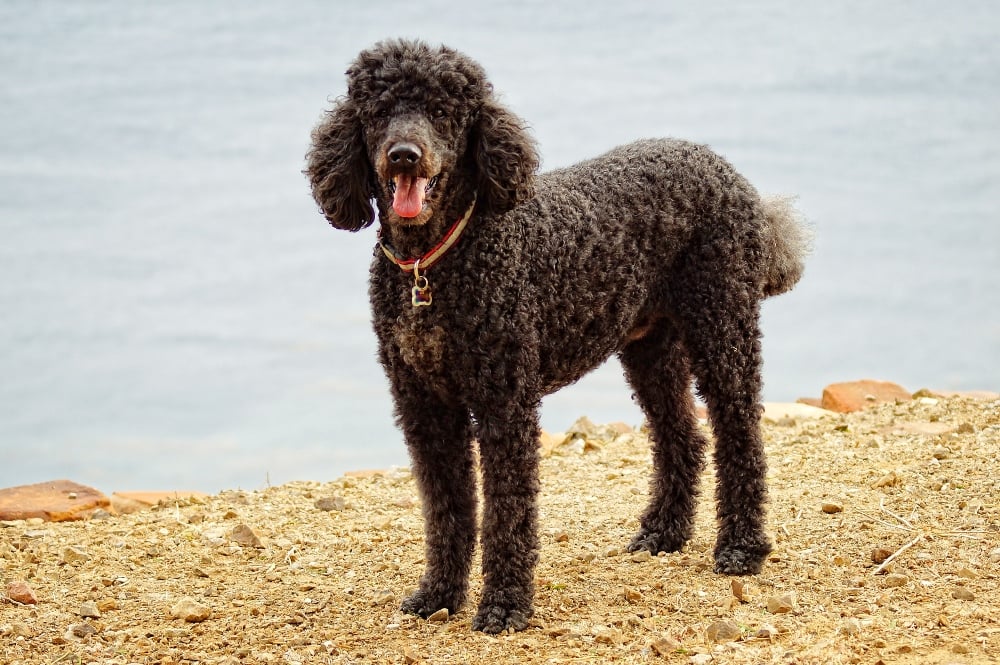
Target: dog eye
438,113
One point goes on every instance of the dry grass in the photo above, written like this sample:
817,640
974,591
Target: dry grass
913,486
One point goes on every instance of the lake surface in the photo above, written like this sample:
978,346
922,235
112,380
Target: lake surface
175,313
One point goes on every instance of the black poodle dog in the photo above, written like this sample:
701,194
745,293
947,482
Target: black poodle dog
493,286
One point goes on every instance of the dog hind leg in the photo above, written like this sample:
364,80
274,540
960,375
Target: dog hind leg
723,338
656,367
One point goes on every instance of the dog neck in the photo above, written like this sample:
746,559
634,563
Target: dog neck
435,253
407,243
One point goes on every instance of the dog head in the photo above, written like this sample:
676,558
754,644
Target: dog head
418,129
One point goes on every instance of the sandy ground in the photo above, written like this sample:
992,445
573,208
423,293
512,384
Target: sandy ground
314,573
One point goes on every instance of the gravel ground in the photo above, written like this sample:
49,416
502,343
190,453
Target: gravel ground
886,524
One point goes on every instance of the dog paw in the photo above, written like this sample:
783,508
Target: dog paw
424,603
741,558
655,542
494,618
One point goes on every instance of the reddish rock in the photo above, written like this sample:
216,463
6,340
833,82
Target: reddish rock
857,395
55,501
131,502
21,593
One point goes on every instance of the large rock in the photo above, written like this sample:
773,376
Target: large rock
55,501
857,395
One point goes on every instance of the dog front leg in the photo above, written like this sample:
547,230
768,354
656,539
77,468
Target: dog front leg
439,440
508,450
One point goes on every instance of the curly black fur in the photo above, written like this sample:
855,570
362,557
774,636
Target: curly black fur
658,251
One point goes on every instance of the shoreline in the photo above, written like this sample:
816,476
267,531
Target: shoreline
66,500
887,546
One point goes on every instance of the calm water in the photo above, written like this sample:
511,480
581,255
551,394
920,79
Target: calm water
174,312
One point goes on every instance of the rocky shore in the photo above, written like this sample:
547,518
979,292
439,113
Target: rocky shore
884,510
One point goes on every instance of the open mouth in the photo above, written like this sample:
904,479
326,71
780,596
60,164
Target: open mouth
409,193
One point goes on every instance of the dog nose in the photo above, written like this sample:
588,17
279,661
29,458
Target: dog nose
404,153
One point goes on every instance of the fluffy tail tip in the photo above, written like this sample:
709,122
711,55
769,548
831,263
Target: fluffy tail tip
789,241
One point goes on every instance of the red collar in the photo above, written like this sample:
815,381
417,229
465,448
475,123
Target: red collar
434,255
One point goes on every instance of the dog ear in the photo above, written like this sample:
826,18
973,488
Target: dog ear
339,171
506,159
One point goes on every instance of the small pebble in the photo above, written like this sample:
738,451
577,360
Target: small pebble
880,554
739,591
766,632
606,635
723,631
331,503
850,627
21,592
244,535
781,603
641,555
88,609
79,631
941,453
190,610
831,508
665,645
75,555
896,580
961,593
440,616
383,597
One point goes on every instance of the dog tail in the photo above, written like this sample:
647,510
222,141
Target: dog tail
787,242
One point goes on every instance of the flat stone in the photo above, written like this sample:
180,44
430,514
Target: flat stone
779,411
53,501
133,502
857,395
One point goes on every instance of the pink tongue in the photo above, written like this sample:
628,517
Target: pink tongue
409,198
